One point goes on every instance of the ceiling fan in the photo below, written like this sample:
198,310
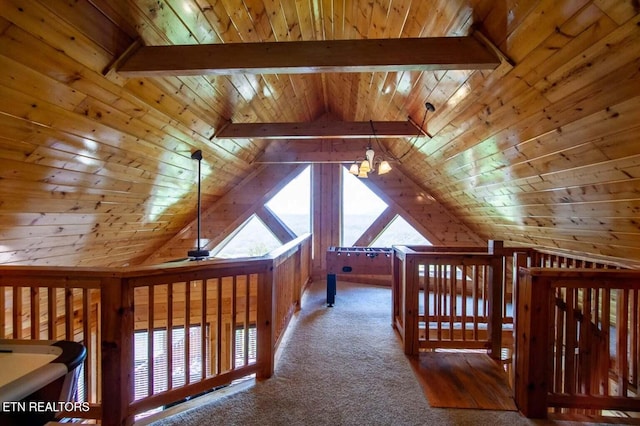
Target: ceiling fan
199,253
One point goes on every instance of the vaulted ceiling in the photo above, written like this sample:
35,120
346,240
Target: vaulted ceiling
539,149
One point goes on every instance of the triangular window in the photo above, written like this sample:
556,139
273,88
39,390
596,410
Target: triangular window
252,238
400,232
292,204
360,208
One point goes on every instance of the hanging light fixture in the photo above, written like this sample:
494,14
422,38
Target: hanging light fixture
381,166
365,166
384,167
370,164
199,253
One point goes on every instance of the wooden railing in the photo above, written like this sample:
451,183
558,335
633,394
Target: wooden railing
557,259
180,329
449,297
57,304
578,340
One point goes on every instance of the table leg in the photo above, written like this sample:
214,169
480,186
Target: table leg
331,289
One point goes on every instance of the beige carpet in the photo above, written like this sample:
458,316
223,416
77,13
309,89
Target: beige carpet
339,366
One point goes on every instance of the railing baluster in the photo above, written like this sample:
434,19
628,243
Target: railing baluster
17,312
187,332
205,350
86,341
439,314
51,313
234,309
247,312
622,328
606,326
559,354
635,332
219,327
476,301
586,344
35,312
150,340
3,302
68,313
170,335
570,344
464,302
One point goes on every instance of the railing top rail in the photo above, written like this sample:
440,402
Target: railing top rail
122,272
402,249
582,274
287,249
441,249
212,267
444,258
455,258
195,269
58,271
605,260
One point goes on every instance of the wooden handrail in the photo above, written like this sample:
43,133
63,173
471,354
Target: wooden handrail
559,364
273,295
435,270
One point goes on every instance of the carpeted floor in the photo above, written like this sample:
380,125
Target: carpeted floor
338,366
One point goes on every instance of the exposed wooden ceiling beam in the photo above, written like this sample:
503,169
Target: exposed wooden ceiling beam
310,157
300,151
303,57
320,130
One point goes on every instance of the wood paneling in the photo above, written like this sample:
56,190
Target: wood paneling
95,167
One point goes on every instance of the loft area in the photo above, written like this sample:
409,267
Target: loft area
498,122
441,298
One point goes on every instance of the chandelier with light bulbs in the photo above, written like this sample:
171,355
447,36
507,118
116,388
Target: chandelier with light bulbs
381,166
370,165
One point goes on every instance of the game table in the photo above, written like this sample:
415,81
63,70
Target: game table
36,370
355,260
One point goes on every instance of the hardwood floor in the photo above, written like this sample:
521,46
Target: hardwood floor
463,380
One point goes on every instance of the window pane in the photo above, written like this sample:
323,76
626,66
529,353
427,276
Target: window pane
292,204
360,208
253,239
399,232
160,376
241,346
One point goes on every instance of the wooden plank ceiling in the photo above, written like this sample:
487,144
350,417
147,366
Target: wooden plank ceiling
95,164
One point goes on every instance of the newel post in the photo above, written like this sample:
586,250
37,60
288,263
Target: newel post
396,269
532,343
411,290
265,323
117,351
